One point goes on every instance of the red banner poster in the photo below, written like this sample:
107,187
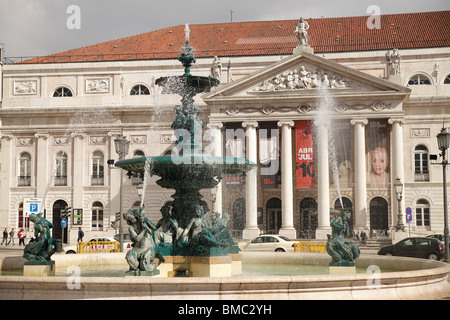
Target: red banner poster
304,143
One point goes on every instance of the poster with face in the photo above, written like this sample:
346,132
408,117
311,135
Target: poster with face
377,152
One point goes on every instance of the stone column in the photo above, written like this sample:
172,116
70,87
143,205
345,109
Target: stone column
251,202
287,190
8,156
360,212
397,166
216,134
42,162
323,182
78,169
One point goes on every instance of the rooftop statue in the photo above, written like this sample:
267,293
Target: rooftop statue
342,253
301,31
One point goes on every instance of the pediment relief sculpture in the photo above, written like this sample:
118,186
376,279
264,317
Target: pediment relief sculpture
303,78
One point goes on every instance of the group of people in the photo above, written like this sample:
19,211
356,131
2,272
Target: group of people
361,236
11,234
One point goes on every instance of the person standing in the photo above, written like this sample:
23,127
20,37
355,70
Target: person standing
80,235
21,235
5,237
11,236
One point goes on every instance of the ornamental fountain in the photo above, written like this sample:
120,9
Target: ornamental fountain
190,238
188,171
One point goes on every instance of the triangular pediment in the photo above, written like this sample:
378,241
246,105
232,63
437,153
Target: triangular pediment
302,75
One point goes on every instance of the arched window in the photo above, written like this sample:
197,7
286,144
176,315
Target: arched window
139,90
24,220
422,213
24,170
62,92
61,169
97,216
447,79
421,172
97,177
419,79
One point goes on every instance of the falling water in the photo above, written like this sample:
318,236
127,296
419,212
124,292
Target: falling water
326,105
79,123
187,31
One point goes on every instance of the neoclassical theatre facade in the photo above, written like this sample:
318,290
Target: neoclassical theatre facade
334,117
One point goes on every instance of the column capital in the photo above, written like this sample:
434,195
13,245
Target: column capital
7,136
250,124
215,125
359,121
114,133
289,123
41,135
80,135
400,121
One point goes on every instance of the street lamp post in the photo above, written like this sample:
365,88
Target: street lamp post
122,146
443,139
399,193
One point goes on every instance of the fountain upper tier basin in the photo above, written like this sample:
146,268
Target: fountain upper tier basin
179,84
190,171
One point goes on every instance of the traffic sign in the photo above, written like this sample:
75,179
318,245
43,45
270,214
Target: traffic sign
408,215
32,205
63,223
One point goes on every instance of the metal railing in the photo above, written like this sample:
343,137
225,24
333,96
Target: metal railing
98,247
310,247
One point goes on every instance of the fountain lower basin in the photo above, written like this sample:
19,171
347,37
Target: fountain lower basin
410,279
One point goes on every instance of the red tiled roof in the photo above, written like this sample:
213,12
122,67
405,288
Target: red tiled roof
409,30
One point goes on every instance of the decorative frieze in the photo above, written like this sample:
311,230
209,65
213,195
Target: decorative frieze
139,139
420,132
306,108
61,141
25,87
98,85
168,138
24,141
97,140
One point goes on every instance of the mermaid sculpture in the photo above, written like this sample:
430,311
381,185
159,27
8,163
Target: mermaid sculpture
44,246
140,257
342,253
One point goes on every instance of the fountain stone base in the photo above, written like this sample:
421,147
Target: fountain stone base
195,266
39,269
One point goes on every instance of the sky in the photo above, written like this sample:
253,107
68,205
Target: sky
39,27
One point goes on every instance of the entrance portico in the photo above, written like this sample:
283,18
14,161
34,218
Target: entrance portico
287,92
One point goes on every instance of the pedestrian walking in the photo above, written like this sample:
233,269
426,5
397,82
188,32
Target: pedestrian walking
11,236
21,235
80,235
5,237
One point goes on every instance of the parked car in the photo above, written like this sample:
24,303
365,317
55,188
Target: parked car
269,243
440,237
426,248
72,249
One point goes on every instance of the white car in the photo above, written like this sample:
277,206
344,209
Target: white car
73,248
269,243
